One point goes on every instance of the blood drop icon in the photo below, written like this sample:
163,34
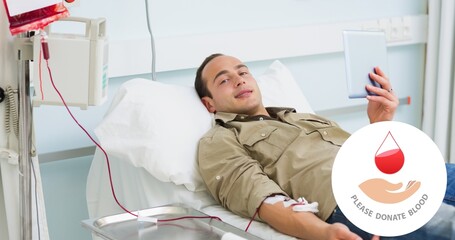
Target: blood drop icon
389,158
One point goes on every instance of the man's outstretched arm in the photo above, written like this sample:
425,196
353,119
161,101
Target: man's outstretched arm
303,225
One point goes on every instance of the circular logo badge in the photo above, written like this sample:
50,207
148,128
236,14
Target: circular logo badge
389,178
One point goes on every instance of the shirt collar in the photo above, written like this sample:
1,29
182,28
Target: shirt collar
225,117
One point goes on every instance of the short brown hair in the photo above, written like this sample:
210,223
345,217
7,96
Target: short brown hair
199,84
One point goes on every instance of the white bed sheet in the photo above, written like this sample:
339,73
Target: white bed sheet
137,189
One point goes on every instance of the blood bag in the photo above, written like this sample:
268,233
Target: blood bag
33,18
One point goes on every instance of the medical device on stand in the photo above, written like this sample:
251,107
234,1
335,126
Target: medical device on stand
78,62
85,57
79,72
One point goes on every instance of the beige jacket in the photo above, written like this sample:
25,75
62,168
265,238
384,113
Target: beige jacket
245,159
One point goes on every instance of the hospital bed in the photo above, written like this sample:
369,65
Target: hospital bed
150,134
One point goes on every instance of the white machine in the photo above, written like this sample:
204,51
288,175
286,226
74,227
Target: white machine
78,64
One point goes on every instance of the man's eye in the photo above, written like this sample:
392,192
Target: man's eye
223,81
243,73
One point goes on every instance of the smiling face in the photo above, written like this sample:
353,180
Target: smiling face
232,87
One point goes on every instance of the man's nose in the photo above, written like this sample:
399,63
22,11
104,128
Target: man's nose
239,81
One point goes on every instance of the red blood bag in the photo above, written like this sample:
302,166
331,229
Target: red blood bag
35,19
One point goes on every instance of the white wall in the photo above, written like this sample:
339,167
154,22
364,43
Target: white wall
320,76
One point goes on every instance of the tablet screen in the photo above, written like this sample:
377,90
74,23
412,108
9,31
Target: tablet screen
363,50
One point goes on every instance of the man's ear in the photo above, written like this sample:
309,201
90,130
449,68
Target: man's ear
208,103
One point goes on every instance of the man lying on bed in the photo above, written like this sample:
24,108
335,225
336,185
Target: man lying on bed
254,158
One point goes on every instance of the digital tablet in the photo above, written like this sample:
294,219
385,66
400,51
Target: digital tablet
363,50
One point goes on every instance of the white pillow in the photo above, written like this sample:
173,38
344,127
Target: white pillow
157,126
279,89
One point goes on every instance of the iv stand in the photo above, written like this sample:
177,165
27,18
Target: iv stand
24,55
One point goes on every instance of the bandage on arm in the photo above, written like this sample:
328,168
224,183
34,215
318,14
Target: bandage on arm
300,224
301,205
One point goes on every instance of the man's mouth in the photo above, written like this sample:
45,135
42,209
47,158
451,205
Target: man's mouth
243,93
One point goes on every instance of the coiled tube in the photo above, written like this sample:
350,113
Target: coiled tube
11,116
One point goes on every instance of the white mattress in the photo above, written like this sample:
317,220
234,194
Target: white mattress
136,189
